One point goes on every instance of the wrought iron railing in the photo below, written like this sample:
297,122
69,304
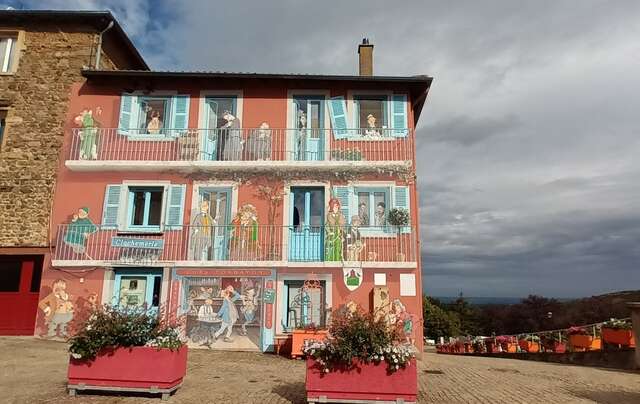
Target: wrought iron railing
254,144
234,243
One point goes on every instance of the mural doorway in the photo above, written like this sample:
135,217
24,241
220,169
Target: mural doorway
214,137
138,288
306,235
308,112
225,313
209,236
19,289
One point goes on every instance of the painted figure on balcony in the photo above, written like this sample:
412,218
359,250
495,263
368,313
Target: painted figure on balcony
231,132
363,212
380,218
202,228
79,230
228,313
301,136
334,232
58,309
353,240
88,133
371,129
244,234
259,143
155,124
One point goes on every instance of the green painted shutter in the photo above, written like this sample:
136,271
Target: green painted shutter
338,113
128,114
180,116
175,207
399,116
401,200
111,208
343,194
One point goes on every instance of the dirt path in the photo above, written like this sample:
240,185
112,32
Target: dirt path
34,371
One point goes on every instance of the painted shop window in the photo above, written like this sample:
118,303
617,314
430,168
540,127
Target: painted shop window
371,206
138,288
153,117
7,54
303,306
141,207
145,207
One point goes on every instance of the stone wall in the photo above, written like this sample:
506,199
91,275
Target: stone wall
36,97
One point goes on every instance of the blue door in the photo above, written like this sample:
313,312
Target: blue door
308,140
306,233
138,288
219,203
214,111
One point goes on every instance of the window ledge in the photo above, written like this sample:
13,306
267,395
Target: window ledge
151,138
133,232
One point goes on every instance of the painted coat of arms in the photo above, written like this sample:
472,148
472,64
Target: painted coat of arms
352,277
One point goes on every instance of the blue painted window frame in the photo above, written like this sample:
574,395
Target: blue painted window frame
384,98
131,190
167,124
372,230
150,277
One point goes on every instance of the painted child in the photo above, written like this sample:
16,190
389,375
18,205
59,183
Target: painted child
58,309
334,232
228,313
207,317
249,308
78,231
353,240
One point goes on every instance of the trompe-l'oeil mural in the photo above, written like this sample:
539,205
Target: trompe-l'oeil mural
334,231
244,234
78,231
88,133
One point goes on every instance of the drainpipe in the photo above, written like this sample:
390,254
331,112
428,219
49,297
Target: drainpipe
99,51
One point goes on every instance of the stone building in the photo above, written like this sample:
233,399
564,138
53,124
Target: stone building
41,54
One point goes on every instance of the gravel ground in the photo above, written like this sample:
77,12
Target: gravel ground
34,371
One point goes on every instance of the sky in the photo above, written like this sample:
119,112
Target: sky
528,145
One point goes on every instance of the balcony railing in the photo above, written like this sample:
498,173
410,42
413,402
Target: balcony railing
81,243
301,145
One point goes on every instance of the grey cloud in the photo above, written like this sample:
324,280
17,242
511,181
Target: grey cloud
468,131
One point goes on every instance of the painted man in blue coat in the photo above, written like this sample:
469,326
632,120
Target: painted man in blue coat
228,313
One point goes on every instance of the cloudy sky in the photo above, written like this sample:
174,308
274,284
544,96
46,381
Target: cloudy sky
529,145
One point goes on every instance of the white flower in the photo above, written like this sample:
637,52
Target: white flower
397,367
76,355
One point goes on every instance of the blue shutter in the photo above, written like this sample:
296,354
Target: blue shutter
401,200
128,114
111,206
180,118
344,195
175,207
399,116
338,112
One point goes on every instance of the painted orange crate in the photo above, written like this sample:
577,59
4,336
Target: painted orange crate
619,337
580,342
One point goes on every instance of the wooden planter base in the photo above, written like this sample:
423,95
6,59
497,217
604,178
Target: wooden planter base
165,393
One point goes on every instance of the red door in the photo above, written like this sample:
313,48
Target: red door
19,289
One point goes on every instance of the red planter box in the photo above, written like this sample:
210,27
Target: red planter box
131,368
365,382
529,346
619,337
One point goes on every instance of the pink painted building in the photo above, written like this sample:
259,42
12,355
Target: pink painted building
247,204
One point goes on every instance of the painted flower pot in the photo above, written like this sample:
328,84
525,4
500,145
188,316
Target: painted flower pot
300,336
369,382
618,337
581,342
510,347
529,346
134,369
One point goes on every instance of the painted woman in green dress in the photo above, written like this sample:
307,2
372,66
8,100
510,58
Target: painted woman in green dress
78,231
334,232
88,134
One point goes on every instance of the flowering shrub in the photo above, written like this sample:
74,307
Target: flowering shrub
616,324
532,338
357,336
504,339
112,327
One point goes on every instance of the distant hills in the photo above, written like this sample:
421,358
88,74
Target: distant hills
613,298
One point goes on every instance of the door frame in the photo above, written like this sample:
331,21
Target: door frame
202,108
228,186
286,222
291,119
149,273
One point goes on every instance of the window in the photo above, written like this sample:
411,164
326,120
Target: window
7,54
10,276
373,206
154,115
371,114
3,115
304,306
145,207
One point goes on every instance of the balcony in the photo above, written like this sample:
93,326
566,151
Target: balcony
266,245
195,150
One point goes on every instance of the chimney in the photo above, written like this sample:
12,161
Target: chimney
365,50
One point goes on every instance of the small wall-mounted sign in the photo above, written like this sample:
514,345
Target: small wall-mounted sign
269,296
142,243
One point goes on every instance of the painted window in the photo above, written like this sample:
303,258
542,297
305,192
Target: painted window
3,115
141,207
303,307
215,141
145,207
377,117
371,106
153,117
7,54
372,205
138,288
